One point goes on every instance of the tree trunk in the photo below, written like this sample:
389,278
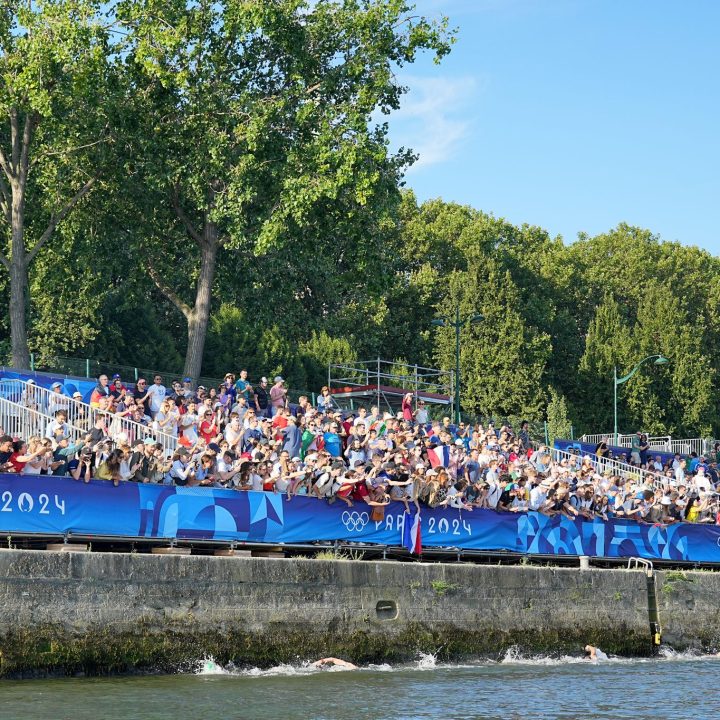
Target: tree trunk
200,314
18,281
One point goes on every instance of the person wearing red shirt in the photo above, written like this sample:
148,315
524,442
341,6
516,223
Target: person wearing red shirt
279,423
407,408
208,427
20,455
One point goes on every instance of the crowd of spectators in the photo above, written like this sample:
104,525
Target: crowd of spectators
249,437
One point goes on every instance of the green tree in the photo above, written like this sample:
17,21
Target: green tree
502,360
606,347
676,398
257,114
559,426
54,99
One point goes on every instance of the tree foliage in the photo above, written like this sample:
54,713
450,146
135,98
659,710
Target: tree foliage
205,186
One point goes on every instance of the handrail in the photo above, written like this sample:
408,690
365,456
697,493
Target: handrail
24,422
81,414
616,467
635,562
661,443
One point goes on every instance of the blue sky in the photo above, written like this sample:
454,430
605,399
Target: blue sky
574,115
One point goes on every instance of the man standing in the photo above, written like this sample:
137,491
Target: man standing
421,414
262,398
117,389
101,391
58,425
524,436
635,447
57,400
278,395
242,386
155,395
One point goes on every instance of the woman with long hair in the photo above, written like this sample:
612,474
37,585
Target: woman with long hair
109,469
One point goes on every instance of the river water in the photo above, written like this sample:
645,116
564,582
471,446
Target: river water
674,686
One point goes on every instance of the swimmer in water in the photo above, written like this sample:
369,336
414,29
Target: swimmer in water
594,653
327,663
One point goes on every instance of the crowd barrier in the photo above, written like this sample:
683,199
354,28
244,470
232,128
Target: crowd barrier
49,505
584,448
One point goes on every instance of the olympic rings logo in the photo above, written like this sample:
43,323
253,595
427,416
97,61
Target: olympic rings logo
355,521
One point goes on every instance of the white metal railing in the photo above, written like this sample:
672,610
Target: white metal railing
657,443
23,422
662,443
614,466
80,413
596,438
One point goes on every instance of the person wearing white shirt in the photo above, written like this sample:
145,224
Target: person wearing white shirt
156,394
59,423
234,433
188,424
494,492
362,417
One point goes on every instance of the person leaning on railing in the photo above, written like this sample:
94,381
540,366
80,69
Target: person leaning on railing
369,457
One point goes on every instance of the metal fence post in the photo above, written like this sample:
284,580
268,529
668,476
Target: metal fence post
87,367
313,399
136,374
572,433
547,437
32,361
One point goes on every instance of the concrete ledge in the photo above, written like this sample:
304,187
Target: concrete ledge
101,612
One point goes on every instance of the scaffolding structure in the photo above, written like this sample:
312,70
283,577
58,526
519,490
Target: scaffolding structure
386,382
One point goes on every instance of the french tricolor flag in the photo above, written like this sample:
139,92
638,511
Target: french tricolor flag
439,456
411,537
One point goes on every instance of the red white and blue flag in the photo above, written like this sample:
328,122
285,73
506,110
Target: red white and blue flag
439,456
411,537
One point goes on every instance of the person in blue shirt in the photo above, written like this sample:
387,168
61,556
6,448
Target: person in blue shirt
333,444
251,433
242,386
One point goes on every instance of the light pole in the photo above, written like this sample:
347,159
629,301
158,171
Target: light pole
457,324
659,360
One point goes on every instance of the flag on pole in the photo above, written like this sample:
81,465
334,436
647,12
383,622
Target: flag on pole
439,456
411,535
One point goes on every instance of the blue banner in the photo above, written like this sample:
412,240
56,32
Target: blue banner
50,505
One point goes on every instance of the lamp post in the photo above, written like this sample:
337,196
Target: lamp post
458,323
659,360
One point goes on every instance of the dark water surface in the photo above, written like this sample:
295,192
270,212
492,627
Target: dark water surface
672,687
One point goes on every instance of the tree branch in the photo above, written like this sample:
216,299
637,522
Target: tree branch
25,149
74,149
58,217
7,168
5,200
167,291
14,140
192,231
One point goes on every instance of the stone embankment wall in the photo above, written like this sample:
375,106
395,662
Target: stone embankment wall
110,612
689,605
